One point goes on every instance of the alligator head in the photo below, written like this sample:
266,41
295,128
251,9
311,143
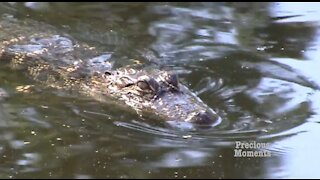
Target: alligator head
161,93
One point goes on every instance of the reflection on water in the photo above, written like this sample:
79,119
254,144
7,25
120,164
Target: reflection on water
254,63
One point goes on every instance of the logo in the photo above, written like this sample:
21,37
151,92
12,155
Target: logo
251,149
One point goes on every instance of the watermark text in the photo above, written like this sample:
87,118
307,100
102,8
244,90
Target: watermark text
251,149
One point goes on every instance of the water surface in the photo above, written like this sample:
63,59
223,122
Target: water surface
256,64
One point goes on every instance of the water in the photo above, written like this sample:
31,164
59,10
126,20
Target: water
256,64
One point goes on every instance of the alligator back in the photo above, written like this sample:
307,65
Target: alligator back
48,55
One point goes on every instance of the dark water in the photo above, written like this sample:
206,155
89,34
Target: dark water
256,64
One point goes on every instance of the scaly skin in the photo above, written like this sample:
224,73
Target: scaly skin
57,60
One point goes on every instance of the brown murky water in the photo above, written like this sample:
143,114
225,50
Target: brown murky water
256,64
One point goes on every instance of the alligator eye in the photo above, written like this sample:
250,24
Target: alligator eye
148,84
124,82
143,85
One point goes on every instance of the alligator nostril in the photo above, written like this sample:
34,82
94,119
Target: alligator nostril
107,73
205,119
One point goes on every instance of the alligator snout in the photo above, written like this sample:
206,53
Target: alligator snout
205,118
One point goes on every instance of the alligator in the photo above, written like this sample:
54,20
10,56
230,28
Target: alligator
55,59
